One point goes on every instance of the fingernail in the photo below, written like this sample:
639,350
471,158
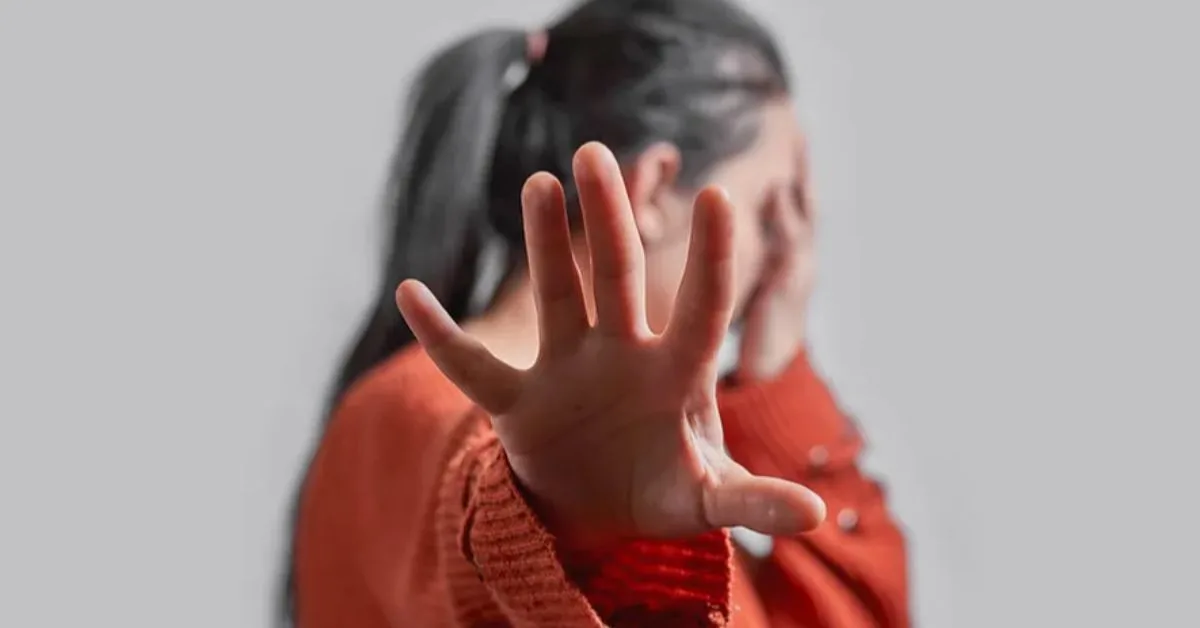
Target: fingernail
604,162
532,192
420,292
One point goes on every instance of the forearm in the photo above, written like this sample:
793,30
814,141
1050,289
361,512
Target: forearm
793,428
484,519
410,518
544,580
789,427
855,562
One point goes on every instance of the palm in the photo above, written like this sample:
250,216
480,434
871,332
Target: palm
638,456
614,430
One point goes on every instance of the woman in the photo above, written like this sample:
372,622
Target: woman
566,457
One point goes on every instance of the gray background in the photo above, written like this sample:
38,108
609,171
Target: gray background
188,195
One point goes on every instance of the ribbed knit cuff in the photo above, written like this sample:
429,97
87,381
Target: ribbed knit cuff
513,553
684,582
789,426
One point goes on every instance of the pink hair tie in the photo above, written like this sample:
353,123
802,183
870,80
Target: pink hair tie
535,46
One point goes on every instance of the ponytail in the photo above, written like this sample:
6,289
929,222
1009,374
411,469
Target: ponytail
438,190
437,199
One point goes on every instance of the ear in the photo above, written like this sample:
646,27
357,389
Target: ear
650,180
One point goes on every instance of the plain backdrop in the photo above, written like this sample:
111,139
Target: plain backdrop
189,200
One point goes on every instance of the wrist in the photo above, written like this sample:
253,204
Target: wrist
572,529
761,372
770,366
773,344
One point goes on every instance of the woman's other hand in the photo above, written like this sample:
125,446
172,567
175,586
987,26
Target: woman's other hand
614,431
776,318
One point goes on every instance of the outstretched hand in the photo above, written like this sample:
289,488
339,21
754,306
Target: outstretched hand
614,431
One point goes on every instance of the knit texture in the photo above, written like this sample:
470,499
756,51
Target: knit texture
411,517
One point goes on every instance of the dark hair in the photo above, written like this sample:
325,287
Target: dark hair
483,117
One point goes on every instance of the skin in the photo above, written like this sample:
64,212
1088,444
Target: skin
599,370
772,245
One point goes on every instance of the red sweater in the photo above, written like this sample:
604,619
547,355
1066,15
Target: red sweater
410,517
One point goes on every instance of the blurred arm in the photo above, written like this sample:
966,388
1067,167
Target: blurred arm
411,518
852,570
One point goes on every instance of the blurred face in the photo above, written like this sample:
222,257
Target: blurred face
769,171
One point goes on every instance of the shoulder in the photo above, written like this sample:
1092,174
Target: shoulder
382,456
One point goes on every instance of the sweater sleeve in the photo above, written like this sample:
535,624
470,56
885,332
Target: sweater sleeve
542,583
851,571
413,517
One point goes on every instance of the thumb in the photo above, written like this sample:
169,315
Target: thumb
769,506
